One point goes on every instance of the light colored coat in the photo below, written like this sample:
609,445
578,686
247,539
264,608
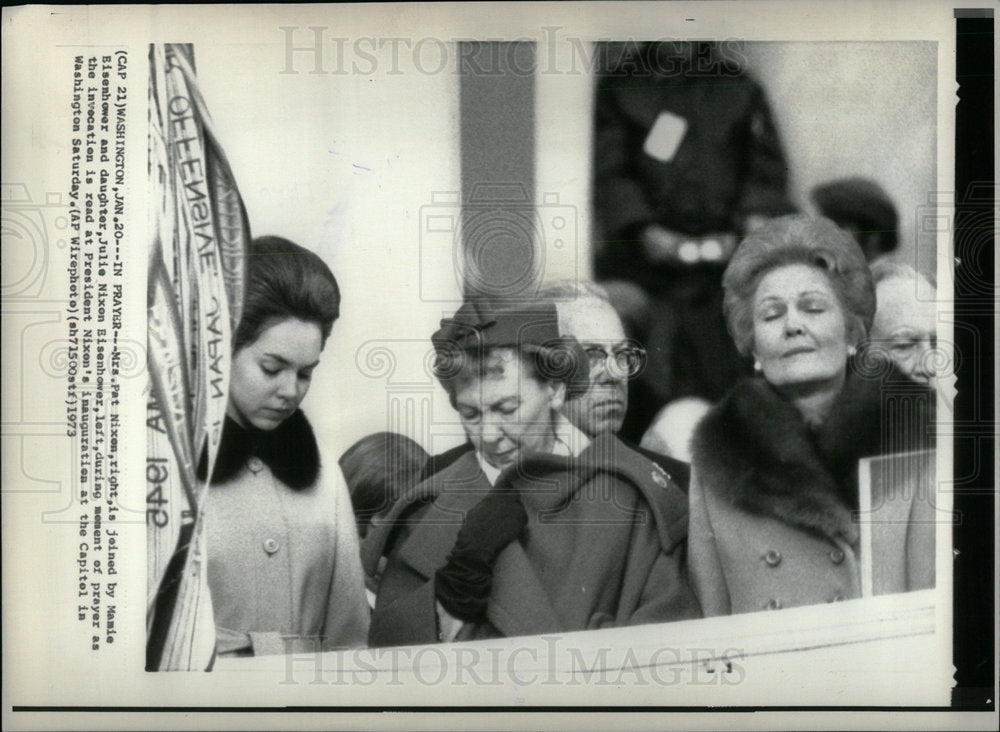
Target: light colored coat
773,504
284,562
742,561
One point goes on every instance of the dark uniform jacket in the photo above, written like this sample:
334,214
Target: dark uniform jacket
729,163
727,166
772,500
604,546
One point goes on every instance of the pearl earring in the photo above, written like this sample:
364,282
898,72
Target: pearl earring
852,351
757,367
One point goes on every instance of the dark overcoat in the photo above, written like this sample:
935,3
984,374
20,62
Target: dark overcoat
729,163
604,546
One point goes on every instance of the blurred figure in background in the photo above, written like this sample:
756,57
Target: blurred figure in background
378,468
687,160
672,428
905,324
864,210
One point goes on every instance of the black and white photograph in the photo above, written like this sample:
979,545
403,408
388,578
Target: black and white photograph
480,363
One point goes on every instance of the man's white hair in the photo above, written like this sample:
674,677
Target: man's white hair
565,293
887,268
572,290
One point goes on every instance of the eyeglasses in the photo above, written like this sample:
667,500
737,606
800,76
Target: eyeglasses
623,362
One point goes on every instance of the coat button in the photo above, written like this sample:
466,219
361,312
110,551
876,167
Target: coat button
773,605
836,556
773,558
255,464
271,545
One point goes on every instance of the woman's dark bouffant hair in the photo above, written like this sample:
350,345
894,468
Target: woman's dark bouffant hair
285,280
798,239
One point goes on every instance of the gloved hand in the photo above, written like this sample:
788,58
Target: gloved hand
463,585
660,243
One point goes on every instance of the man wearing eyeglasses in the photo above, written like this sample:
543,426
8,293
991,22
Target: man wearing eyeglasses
586,314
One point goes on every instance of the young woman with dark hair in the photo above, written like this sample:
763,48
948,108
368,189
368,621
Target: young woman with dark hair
283,561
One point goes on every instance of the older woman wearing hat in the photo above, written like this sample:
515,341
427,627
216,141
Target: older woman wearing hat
538,528
775,464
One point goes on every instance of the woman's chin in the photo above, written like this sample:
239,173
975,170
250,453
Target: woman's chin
806,380
266,423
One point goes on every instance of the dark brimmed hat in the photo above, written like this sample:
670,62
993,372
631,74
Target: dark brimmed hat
530,328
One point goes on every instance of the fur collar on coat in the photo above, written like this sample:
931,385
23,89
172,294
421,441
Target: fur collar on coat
289,450
755,449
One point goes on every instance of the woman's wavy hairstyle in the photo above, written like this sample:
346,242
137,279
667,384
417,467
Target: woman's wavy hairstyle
475,343
285,280
562,361
798,239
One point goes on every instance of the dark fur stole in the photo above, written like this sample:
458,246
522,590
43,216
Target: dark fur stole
755,449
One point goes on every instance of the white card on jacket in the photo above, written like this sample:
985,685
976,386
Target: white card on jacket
665,137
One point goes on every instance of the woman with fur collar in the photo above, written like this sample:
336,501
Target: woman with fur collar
283,556
774,471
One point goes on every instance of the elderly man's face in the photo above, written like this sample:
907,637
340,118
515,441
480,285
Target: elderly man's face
905,327
599,329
